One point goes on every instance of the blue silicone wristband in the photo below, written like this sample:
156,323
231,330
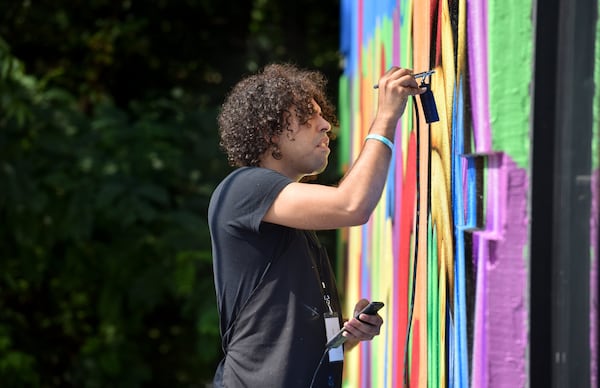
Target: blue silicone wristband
382,139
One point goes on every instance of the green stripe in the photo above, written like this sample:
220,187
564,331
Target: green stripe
510,68
343,147
436,308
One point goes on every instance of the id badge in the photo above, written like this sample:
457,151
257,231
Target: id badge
332,327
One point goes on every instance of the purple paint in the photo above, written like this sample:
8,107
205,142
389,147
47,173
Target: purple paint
479,376
478,67
500,338
501,314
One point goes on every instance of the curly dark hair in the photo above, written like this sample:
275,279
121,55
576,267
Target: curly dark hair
259,107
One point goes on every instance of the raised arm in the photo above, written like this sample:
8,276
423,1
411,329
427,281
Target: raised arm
313,206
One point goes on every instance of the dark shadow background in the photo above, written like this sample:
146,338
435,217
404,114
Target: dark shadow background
108,156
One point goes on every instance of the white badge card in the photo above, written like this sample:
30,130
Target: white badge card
332,327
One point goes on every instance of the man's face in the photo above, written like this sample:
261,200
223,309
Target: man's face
305,149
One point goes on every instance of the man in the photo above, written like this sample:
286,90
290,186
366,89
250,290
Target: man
275,288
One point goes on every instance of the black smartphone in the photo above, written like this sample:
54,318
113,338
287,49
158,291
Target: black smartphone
338,339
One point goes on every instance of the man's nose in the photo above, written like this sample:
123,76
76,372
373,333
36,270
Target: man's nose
325,126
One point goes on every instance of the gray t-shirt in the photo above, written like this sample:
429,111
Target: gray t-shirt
268,285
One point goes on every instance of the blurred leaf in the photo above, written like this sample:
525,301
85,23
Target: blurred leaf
109,153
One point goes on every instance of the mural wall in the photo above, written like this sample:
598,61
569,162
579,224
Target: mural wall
447,248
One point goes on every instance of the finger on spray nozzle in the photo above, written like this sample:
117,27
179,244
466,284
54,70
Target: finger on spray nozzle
416,76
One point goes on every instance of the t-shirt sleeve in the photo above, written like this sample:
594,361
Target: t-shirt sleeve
244,197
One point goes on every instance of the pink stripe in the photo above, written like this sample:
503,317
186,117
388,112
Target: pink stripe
477,44
478,67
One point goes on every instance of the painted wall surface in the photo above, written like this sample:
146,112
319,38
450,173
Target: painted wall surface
447,248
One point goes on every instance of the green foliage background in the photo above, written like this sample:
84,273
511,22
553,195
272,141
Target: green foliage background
108,156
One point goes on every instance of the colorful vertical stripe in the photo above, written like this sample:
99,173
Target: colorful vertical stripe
450,233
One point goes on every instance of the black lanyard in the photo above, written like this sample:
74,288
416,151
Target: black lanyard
320,265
